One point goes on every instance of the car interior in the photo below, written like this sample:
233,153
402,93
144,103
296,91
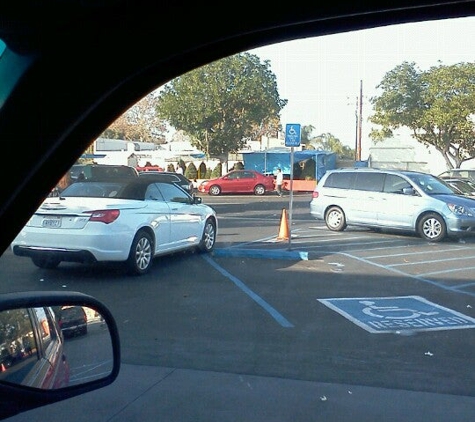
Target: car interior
69,69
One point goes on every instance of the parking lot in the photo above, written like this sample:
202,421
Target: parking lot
358,307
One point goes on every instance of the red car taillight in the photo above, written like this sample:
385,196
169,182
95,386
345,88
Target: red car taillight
315,194
104,216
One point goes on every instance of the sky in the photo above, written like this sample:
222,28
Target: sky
321,77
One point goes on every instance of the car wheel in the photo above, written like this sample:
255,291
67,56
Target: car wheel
432,227
141,254
46,262
214,190
335,219
259,190
209,236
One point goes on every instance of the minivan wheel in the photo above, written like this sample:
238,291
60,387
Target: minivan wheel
432,227
335,219
141,254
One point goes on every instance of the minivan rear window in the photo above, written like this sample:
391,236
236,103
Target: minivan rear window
340,180
353,180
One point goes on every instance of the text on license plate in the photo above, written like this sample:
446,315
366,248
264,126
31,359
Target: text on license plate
51,222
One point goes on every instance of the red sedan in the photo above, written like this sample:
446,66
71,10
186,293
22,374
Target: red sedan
238,181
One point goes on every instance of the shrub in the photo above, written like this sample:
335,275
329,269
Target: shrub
191,172
217,171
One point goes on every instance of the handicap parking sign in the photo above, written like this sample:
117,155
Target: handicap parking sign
292,135
398,314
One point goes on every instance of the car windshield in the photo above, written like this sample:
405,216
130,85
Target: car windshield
93,189
431,185
242,294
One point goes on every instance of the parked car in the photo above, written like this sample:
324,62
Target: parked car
45,368
130,221
101,172
33,353
169,176
393,199
459,173
238,181
461,186
72,321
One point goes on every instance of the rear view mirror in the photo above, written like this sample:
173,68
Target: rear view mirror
53,346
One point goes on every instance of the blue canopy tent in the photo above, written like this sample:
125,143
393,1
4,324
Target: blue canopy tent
268,161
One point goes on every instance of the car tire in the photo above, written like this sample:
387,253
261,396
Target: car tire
335,219
48,263
141,254
214,190
431,227
259,190
208,239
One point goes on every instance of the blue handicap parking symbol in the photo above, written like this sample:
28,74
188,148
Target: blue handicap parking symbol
397,314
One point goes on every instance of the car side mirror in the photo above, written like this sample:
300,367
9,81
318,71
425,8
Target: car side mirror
197,199
53,346
408,191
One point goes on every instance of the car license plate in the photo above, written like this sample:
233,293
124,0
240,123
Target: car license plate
51,222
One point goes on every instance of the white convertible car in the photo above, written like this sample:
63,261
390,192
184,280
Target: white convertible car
129,221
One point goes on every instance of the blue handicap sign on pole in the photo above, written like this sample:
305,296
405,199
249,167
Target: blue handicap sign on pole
292,135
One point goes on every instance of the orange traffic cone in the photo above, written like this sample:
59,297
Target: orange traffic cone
2,368
284,227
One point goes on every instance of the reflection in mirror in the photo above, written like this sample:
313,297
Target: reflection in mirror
54,347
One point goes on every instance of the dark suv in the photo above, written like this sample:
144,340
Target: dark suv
73,321
169,176
101,172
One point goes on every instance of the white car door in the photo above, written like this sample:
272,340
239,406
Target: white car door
158,216
187,220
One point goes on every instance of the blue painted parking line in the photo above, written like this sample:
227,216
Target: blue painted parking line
398,314
268,308
261,253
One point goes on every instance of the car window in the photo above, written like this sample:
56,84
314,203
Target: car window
372,182
153,193
395,184
341,180
172,193
92,189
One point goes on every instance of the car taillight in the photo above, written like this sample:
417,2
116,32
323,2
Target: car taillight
315,194
104,216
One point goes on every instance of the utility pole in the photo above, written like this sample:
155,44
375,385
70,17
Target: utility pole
360,123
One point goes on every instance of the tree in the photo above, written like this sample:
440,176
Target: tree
437,105
306,134
223,104
328,142
139,123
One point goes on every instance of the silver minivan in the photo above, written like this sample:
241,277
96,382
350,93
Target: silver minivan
401,200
